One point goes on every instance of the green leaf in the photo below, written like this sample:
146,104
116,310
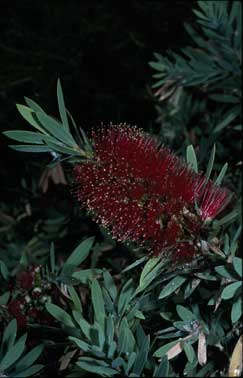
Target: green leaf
110,285
61,106
237,263
236,310
75,298
98,302
126,339
228,119
136,263
30,148
191,158
33,105
163,369
125,296
13,353
149,273
29,372
210,163
80,343
25,136
56,129
222,271
149,266
142,357
85,327
172,286
79,254
86,275
4,270
110,329
4,298
52,258
130,362
111,350
59,314
191,286
29,115
55,146
161,352
229,291
29,358
229,218
93,366
9,335
221,174
184,313
189,351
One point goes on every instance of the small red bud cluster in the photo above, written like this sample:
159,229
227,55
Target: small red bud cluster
28,297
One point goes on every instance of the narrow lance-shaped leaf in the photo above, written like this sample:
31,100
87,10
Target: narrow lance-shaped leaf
61,106
192,158
79,254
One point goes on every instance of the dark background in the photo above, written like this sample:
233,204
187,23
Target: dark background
100,50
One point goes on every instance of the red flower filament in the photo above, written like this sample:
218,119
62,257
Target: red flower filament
145,194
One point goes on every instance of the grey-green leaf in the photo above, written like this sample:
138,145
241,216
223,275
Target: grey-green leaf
61,106
79,254
25,136
236,310
237,263
191,158
59,314
221,174
13,353
229,291
184,313
172,286
98,302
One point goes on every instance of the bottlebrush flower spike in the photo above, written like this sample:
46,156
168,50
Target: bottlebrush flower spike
145,194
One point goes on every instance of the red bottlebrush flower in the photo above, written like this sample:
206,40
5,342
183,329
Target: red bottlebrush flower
144,193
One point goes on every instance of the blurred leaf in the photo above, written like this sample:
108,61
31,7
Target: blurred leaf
236,310
29,371
13,353
96,366
237,263
184,313
163,369
4,270
189,351
221,174
210,163
228,119
29,358
162,351
230,290
191,158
